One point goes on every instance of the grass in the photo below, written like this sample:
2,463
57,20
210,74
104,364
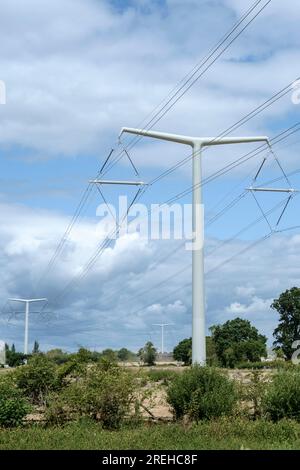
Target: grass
233,434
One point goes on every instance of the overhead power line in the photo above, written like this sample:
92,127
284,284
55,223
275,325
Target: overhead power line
193,79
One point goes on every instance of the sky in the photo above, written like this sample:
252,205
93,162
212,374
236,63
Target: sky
76,72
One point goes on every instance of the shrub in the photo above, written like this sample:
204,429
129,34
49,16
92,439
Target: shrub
105,393
282,399
13,406
202,393
37,378
252,393
148,354
277,364
162,375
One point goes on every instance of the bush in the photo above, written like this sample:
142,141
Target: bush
13,406
277,364
282,399
201,393
37,378
104,393
162,375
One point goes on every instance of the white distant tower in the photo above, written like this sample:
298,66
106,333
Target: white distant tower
162,325
27,303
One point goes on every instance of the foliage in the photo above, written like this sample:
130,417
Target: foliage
282,399
288,329
85,356
183,351
57,356
211,353
236,341
110,354
162,375
277,364
201,393
13,358
37,378
104,393
36,348
125,355
254,392
13,406
224,433
148,354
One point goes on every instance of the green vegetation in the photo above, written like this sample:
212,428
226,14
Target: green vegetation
282,396
288,307
148,354
13,406
201,393
162,375
14,358
183,352
225,433
237,341
37,378
103,392
85,400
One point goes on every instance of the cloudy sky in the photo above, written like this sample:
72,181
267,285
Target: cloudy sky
76,71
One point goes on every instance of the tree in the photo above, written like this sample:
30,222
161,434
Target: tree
36,348
57,355
109,354
183,352
288,329
124,354
148,354
238,341
13,358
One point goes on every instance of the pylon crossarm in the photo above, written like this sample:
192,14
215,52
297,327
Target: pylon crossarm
128,183
273,190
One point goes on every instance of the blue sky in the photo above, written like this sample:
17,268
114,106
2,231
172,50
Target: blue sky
77,71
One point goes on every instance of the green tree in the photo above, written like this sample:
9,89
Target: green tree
238,341
36,347
124,354
13,358
211,353
148,354
183,352
57,355
37,378
109,354
288,329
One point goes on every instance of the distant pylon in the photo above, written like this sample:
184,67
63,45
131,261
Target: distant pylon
162,325
27,303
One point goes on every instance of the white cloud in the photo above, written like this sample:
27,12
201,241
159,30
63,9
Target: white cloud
77,71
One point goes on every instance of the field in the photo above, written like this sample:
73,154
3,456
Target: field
219,434
244,427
